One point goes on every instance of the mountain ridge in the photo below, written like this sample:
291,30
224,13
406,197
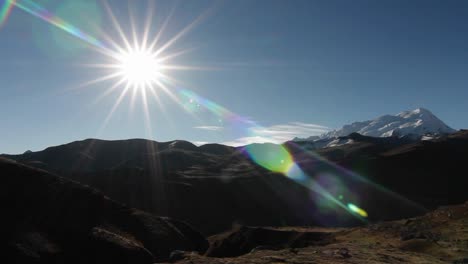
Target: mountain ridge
182,183
415,123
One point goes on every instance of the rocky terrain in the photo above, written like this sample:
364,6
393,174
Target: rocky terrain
440,236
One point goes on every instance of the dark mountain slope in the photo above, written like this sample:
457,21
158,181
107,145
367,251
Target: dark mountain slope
213,186
171,179
430,172
49,219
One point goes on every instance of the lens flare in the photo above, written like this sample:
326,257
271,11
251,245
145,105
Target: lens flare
270,156
42,13
357,210
5,10
356,177
273,157
200,101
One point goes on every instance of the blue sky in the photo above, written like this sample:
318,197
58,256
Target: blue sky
285,65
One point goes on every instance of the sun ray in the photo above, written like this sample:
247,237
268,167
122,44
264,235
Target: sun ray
134,96
182,33
146,113
156,98
114,107
118,48
116,24
104,51
164,113
92,82
133,27
101,79
101,65
147,24
108,91
173,55
166,89
185,68
161,30
172,81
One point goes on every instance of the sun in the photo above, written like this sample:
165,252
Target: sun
138,64
139,68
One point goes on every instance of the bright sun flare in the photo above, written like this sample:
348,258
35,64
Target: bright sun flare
138,64
139,68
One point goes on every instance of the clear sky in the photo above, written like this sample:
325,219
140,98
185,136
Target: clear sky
283,68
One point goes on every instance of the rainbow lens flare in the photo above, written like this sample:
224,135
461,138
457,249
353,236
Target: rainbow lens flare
357,210
271,156
5,10
198,101
276,157
42,13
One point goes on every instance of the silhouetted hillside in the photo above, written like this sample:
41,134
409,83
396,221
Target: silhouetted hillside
49,219
181,181
213,186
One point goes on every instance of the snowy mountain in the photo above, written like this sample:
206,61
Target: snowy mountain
416,123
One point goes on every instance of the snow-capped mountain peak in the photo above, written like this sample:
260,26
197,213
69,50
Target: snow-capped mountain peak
417,122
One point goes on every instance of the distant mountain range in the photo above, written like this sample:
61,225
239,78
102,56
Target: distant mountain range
416,125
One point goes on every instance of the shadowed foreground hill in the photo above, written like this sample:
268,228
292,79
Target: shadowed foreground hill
210,187
49,219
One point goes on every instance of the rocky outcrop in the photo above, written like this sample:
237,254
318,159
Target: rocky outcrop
438,237
243,239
